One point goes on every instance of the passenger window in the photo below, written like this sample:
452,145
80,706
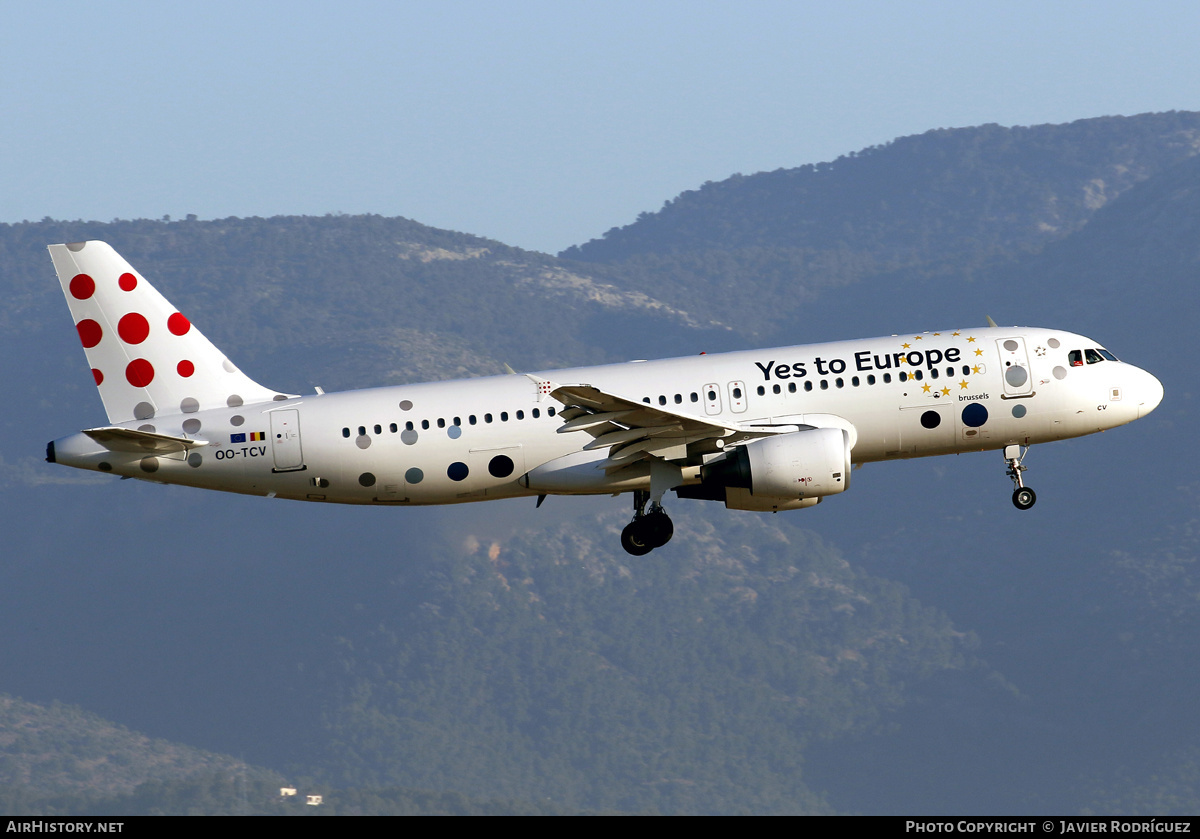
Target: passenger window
854,381
378,429
471,419
424,425
662,400
791,387
903,376
520,415
487,417
776,389
408,426
504,416
345,432
393,428
695,396
887,378
824,384
737,393
550,410
871,378
762,391
536,413
933,374
441,423
808,386
362,431
679,399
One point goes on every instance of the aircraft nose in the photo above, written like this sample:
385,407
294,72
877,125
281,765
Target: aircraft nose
1150,391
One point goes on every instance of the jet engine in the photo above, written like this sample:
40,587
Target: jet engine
785,472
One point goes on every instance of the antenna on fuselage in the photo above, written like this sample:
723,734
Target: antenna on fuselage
991,322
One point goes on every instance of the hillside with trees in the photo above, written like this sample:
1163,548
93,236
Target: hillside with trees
914,645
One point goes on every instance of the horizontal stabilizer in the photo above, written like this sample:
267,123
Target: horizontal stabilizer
140,442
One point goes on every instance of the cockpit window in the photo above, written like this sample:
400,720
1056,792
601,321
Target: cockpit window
1093,356
1076,358
1107,354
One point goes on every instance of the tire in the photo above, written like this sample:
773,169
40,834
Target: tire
633,539
658,528
1024,498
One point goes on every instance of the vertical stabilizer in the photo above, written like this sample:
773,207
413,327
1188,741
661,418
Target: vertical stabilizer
146,357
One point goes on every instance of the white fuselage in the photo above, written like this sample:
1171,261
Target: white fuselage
476,439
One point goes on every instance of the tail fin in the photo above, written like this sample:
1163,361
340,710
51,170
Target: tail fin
146,357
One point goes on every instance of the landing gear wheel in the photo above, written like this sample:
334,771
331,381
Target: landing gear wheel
1024,498
633,539
658,528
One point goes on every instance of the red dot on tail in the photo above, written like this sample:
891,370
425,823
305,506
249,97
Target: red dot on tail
127,282
178,324
98,376
186,368
140,372
133,328
82,286
90,333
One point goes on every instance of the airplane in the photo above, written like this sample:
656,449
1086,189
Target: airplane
761,430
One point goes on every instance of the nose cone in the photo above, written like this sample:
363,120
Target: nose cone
1150,393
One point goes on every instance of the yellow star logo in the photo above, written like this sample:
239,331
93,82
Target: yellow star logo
936,334
963,384
924,388
970,340
975,369
945,391
978,352
906,346
955,334
918,338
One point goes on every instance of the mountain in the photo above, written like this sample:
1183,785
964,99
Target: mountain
770,252
915,645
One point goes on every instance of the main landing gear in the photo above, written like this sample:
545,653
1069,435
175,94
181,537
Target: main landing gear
649,529
1023,497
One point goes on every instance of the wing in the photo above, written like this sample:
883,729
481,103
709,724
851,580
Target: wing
633,431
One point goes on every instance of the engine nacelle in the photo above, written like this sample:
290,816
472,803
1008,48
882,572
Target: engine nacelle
809,463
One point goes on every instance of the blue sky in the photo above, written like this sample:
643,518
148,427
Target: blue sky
538,124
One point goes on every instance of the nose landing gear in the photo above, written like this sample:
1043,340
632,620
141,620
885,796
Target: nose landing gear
1023,497
649,529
